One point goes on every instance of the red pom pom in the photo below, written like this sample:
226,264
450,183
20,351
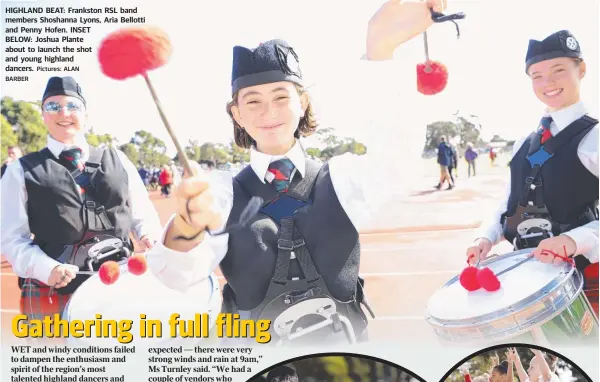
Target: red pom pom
132,51
137,264
468,279
109,272
432,81
488,280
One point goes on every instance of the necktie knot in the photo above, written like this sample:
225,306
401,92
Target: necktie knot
545,129
282,170
73,157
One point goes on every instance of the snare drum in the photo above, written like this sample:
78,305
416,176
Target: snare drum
131,296
537,303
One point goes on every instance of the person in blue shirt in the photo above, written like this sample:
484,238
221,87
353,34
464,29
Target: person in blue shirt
444,159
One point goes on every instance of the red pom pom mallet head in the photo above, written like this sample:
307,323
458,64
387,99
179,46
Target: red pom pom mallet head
432,76
109,272
137,264
488,280
133,51
468,279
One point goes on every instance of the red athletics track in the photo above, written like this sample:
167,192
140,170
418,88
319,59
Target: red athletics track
402,266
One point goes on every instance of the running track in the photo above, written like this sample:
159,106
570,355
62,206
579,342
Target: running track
402,266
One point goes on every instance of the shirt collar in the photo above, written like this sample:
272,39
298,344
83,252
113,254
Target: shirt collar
564,117
260,162
57,147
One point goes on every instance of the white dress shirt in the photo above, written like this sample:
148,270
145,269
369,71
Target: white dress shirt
383,101
586,237
28,260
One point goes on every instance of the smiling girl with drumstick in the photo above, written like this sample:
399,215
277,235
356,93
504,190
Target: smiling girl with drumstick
275,261
552,205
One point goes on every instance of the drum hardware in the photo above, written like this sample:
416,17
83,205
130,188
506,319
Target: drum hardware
549,307
324,307
514,266
95,253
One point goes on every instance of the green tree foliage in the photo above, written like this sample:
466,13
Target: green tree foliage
26,123
9,138
151,151
104,140
335,145
462,127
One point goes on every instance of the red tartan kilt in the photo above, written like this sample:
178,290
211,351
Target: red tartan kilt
590,274
37,303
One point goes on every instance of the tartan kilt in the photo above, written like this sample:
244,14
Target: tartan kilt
37,303
590,275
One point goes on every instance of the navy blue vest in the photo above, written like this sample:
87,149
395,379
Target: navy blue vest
55,206
569,190
331,239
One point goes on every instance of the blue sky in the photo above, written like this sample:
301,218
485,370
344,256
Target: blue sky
486,64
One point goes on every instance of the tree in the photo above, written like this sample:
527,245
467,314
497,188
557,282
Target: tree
131,152
9,138
337,146
468,131
238,154
437,130
104,140
152,150
27,124
222,154
463,127
313,152
327,136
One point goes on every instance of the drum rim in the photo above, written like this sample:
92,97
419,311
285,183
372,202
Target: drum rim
215,298
567,274
509,333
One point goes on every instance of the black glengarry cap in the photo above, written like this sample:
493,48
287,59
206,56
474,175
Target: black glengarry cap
559,44
271,61
66,86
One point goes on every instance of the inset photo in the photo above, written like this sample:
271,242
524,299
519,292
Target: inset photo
516,364
336,367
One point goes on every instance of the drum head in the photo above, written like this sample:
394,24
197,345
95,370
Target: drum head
131,296
454,303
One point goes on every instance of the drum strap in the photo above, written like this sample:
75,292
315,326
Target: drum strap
96,218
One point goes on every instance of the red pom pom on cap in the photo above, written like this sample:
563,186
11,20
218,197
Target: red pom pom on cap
431,80
488,280
137,264
133,51
468,279
109,272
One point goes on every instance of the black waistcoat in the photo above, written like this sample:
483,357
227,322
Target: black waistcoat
55,206
331,239
569,189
